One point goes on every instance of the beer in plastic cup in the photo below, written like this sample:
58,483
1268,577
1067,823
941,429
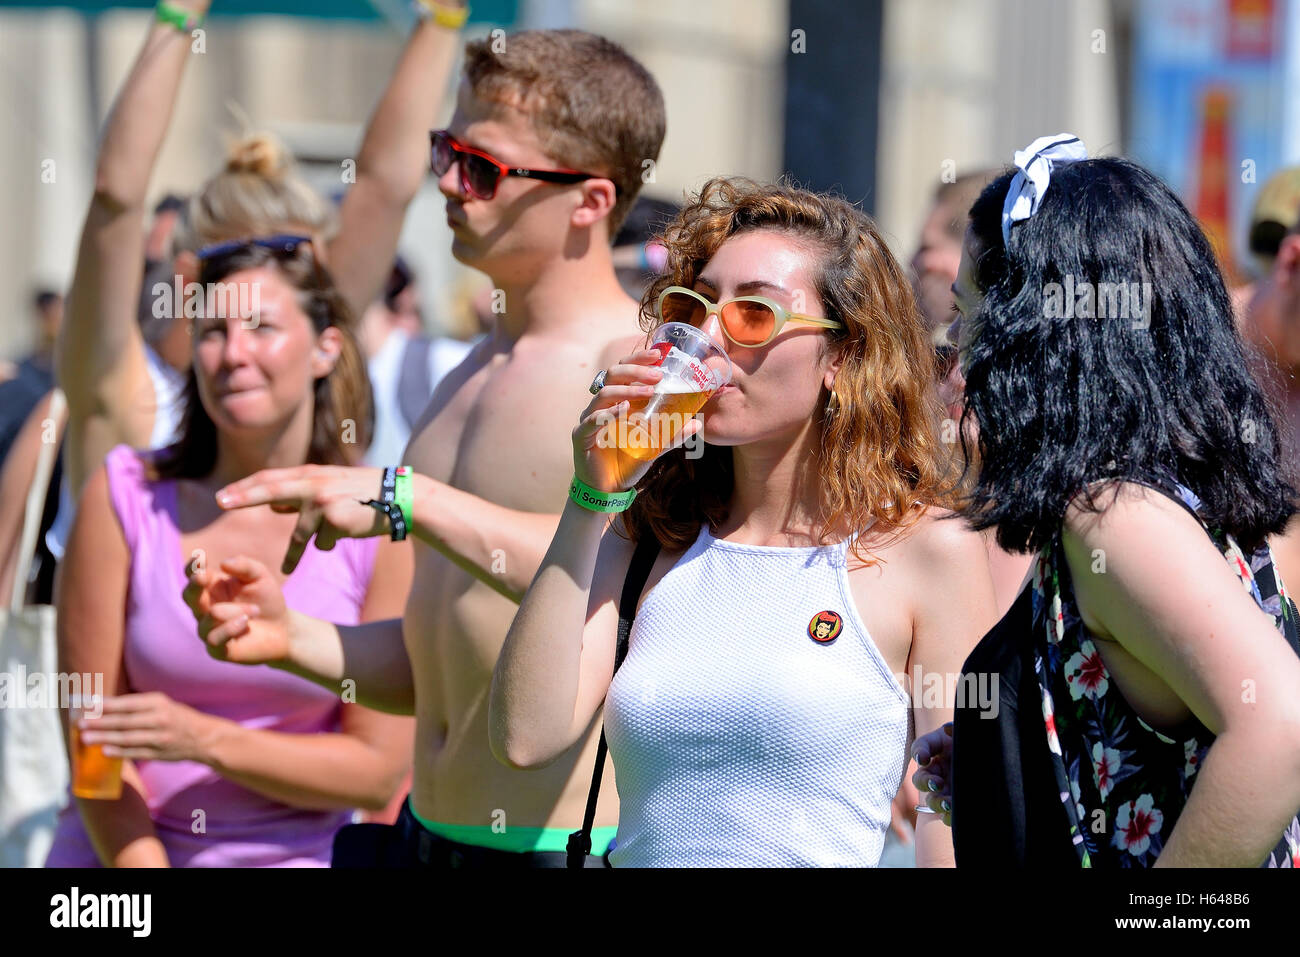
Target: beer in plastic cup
94,774
694,367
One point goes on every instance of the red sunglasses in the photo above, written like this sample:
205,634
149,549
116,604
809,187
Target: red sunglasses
480,173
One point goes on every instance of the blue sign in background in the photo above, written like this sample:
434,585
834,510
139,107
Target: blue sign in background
1182,53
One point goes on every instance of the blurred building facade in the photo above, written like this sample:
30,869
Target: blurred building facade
961,84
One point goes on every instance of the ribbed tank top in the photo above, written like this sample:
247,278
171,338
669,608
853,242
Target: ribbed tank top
742,734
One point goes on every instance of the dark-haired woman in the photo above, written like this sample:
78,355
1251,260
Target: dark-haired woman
807,535
224,765
1149,671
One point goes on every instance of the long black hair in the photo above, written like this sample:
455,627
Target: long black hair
1068,390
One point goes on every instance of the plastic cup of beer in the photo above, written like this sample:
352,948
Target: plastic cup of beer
94,774
694,367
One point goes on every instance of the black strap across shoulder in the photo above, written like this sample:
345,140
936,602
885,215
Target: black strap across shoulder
413,383
638,572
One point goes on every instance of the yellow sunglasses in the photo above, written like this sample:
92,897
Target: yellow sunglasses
749,321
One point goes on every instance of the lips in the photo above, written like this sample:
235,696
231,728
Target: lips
239,388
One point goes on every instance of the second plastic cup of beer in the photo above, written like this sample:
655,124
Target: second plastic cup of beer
94,774
694,368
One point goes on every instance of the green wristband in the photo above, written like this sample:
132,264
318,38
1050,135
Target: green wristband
595,500
404,494
182,20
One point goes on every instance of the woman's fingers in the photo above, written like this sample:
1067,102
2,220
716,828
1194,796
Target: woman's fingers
595,419
143,735
692,427
614,395
933,745
939,805
632,370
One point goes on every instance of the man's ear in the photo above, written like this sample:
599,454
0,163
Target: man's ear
329,345
599,198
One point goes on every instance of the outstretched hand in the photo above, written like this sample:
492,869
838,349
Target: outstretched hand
241,614
327,498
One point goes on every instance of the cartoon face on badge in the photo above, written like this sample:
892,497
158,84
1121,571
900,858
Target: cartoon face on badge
825,627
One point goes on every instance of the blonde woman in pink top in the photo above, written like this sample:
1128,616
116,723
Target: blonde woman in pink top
229,766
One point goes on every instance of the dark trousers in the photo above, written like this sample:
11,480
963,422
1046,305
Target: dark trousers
408,843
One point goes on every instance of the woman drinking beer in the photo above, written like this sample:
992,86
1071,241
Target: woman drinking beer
780,571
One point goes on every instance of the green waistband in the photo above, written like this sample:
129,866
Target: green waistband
516,839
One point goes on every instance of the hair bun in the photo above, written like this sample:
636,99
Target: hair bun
260,154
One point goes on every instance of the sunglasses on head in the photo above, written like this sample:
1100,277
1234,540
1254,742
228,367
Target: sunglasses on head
281,243
749,321
481,173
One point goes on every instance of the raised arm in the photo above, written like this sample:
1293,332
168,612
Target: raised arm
100,357
558,659
1172,602
91,598
392,163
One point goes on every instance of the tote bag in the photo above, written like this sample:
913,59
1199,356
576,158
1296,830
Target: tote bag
33,763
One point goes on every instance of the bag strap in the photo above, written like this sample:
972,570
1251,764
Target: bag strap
638,572
36,495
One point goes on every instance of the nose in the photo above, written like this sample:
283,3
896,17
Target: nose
236,347
712,327
449,183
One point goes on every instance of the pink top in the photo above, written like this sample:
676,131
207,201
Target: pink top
240,828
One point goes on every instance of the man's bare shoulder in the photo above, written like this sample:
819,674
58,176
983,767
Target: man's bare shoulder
619,348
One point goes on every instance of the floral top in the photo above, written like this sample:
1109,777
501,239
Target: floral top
1122,783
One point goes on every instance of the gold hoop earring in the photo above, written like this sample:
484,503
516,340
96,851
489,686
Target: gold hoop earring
832,404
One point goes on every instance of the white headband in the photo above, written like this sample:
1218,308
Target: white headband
1035,164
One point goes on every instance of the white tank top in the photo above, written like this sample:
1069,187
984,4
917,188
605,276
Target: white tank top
754,722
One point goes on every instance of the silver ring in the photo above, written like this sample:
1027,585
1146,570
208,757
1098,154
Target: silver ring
598,383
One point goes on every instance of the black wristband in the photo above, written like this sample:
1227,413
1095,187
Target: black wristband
388,487
396,520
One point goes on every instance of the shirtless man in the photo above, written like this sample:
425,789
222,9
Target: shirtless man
490,454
